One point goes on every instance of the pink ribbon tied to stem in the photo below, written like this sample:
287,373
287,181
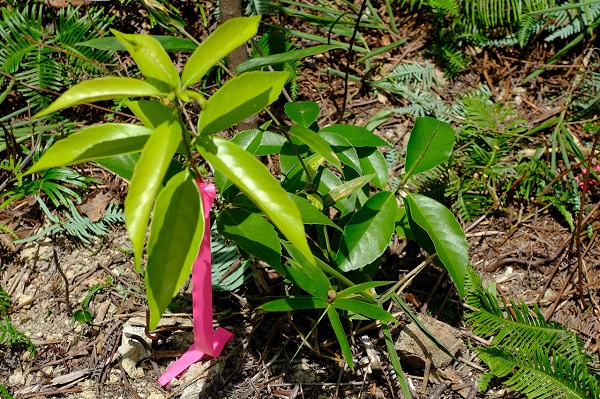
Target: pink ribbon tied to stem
206,342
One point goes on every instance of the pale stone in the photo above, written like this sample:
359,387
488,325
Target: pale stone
414,347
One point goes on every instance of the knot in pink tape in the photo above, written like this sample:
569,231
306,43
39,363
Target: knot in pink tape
205,341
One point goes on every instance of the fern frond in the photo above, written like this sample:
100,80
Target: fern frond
224,255
4,393
7,230
570,22
259,7
539,375
412,74
16,27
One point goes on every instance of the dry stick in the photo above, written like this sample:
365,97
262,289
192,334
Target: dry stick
552,308
348,55
51,393
66,280
147,349
550,277
579,227
127,384
492,267
110,111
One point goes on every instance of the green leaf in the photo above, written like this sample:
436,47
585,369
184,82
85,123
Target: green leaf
248,140
152,60
82,316
310,214
101,89
361,287
252,233
122,165
403,224
356,135
304,113
255,180
297,276
445,232
346,189
343,149
147,179
369,310
316,143
270,144
294,303
176,233
395,360
94,142
169,43
310,269
336,324
226,38
241,97
151,113
275,59
429,145
372,161
368,233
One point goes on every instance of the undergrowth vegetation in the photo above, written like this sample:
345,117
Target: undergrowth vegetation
336,195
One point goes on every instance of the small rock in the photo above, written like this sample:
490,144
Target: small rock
203,374
413,346
302,372
155,395
131,350
16,379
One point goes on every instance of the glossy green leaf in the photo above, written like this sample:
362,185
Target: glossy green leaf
395,360
252,233
151,113
445,232
369,310
295,303
361,287
310,269
310,214
255,180
368,233
101,89
356,135
343,149
302,280
372,161
304,113
346,189
248,140
429,145
338,329
147,179
94,142
122,165
280,58
240,98
316,143
270,144
151,58
82,316
176,232
226,38
403,224
169,43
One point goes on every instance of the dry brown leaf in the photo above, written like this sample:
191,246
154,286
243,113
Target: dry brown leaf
94,206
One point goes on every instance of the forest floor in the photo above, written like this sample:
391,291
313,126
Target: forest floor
526,251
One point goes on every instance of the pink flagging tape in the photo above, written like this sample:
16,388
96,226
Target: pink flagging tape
206,343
